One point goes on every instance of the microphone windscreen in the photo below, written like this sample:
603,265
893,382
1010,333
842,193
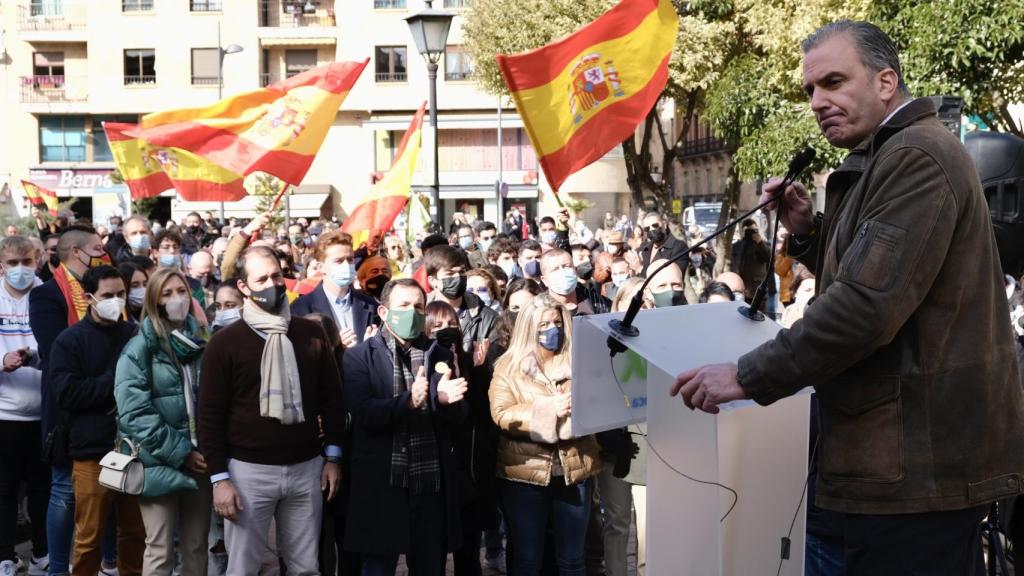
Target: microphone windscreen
801,161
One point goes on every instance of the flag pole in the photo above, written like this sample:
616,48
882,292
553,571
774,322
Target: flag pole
279,196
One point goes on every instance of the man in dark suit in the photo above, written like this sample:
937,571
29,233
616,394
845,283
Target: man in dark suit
661,244
405,496
353,312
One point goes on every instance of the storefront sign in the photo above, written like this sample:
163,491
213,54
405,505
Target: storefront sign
70,182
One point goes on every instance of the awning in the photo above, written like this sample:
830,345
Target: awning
320,41
477,192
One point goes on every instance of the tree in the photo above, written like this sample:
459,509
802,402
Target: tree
267,188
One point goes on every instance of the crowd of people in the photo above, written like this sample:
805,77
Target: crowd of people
303,403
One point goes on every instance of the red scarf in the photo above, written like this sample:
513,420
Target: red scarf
74,296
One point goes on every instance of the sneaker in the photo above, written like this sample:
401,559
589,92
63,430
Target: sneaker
497,563
107,572
8,568
39,566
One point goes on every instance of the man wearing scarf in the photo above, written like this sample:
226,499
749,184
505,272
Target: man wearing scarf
406,494
269,386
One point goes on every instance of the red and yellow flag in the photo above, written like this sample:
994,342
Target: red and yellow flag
277,129
376,212
149,170
581,96
39,196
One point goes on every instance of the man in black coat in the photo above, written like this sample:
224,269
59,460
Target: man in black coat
661,244
355,313
405,496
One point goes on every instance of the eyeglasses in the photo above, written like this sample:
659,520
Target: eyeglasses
478,290
653,227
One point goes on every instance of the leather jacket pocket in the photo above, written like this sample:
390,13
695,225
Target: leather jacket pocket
871,258
862,429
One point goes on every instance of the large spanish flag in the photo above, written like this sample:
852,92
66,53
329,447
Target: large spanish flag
581,96
39,196
277,129
376,212
149,170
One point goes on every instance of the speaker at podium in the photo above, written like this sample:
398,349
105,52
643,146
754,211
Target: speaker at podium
696,528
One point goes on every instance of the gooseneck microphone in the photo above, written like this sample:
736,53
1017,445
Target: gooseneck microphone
625,328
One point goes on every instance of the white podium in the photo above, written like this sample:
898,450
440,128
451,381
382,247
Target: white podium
760,452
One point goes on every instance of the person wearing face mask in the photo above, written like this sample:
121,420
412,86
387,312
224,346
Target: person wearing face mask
169,246
466,239
156,389
194,235
54,306
545,471
228,300
373,273
404,397
699,273
354,313
483,284
583,261
504,254
666,287
559,276
620,272
661,244
83,372
268,388
550,236
138,239
137,278
529,259
20,407
486,232
735,283
446,273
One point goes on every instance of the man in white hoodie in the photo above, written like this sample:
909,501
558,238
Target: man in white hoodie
20,411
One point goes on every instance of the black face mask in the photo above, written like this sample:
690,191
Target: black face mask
192,230
447,336
453,286
375,285
270,299
54,261
656,235
585,270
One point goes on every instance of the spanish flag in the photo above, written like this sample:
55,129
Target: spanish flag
376,213
149,170
581,96
277,129
39,196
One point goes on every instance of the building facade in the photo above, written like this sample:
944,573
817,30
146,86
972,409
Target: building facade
71,64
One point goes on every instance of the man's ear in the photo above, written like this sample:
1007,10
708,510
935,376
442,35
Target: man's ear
242,287
382,311
888,84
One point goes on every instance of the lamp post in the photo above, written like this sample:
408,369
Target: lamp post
221,52
429,29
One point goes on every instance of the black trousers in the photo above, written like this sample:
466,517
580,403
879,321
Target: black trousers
21,460
924,544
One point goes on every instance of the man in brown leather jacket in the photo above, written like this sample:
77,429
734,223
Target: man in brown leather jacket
907,342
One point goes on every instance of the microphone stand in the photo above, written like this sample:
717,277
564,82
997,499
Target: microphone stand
753,312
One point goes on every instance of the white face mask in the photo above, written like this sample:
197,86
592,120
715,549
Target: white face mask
619,279
227,316
612,249
110,309
177,308
563,281
137,295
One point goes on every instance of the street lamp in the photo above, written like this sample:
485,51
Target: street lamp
221,52
430,32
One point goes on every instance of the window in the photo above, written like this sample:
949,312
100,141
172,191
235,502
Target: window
62,138
389,4
458,3
136,5
457,64
204,66
48,64
206,5
100,146
390,63
139,66
298,61
46,8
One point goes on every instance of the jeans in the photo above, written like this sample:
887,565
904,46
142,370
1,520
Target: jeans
528,509
823,557
20,460
60,520
494,541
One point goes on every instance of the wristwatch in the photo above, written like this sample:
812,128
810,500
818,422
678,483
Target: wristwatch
332,459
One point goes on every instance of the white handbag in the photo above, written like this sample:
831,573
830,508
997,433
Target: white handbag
122,472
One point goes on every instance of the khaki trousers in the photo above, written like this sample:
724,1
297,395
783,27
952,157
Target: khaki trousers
92,508
186,513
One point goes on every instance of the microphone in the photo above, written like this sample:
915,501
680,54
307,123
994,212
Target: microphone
798,164
625,328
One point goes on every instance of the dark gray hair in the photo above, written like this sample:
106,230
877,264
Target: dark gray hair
877,51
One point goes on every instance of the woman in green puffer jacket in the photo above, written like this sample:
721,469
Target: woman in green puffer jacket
156,390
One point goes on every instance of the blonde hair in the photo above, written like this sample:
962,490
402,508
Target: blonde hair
524,336
151,303
626,293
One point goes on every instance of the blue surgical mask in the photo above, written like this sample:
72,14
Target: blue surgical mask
139,242
485,245
511,269
227,316
563,281
341,275
465,242
619,279
20,277
548,237
697,260
485,297
551,339
170,260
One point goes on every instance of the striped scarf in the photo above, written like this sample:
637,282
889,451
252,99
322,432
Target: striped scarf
74,295
415,463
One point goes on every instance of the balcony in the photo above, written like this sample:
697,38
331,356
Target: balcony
291,14
389,4
702,146
53,89
49,22
458,4
391,77
142,80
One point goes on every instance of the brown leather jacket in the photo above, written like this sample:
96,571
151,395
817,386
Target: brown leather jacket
908,342
522,404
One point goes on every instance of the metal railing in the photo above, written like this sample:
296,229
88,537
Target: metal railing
457,76
141,80
53,89
389,4
391,76
136,5
51,17
701,146
291,14
206,6
458,4
204,80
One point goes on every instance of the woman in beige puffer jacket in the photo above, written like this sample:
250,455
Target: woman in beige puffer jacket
546,471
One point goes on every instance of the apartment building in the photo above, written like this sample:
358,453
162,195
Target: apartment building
69,65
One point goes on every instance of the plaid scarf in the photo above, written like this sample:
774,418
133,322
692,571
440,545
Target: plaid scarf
415,463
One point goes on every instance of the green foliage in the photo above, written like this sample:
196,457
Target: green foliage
267,187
